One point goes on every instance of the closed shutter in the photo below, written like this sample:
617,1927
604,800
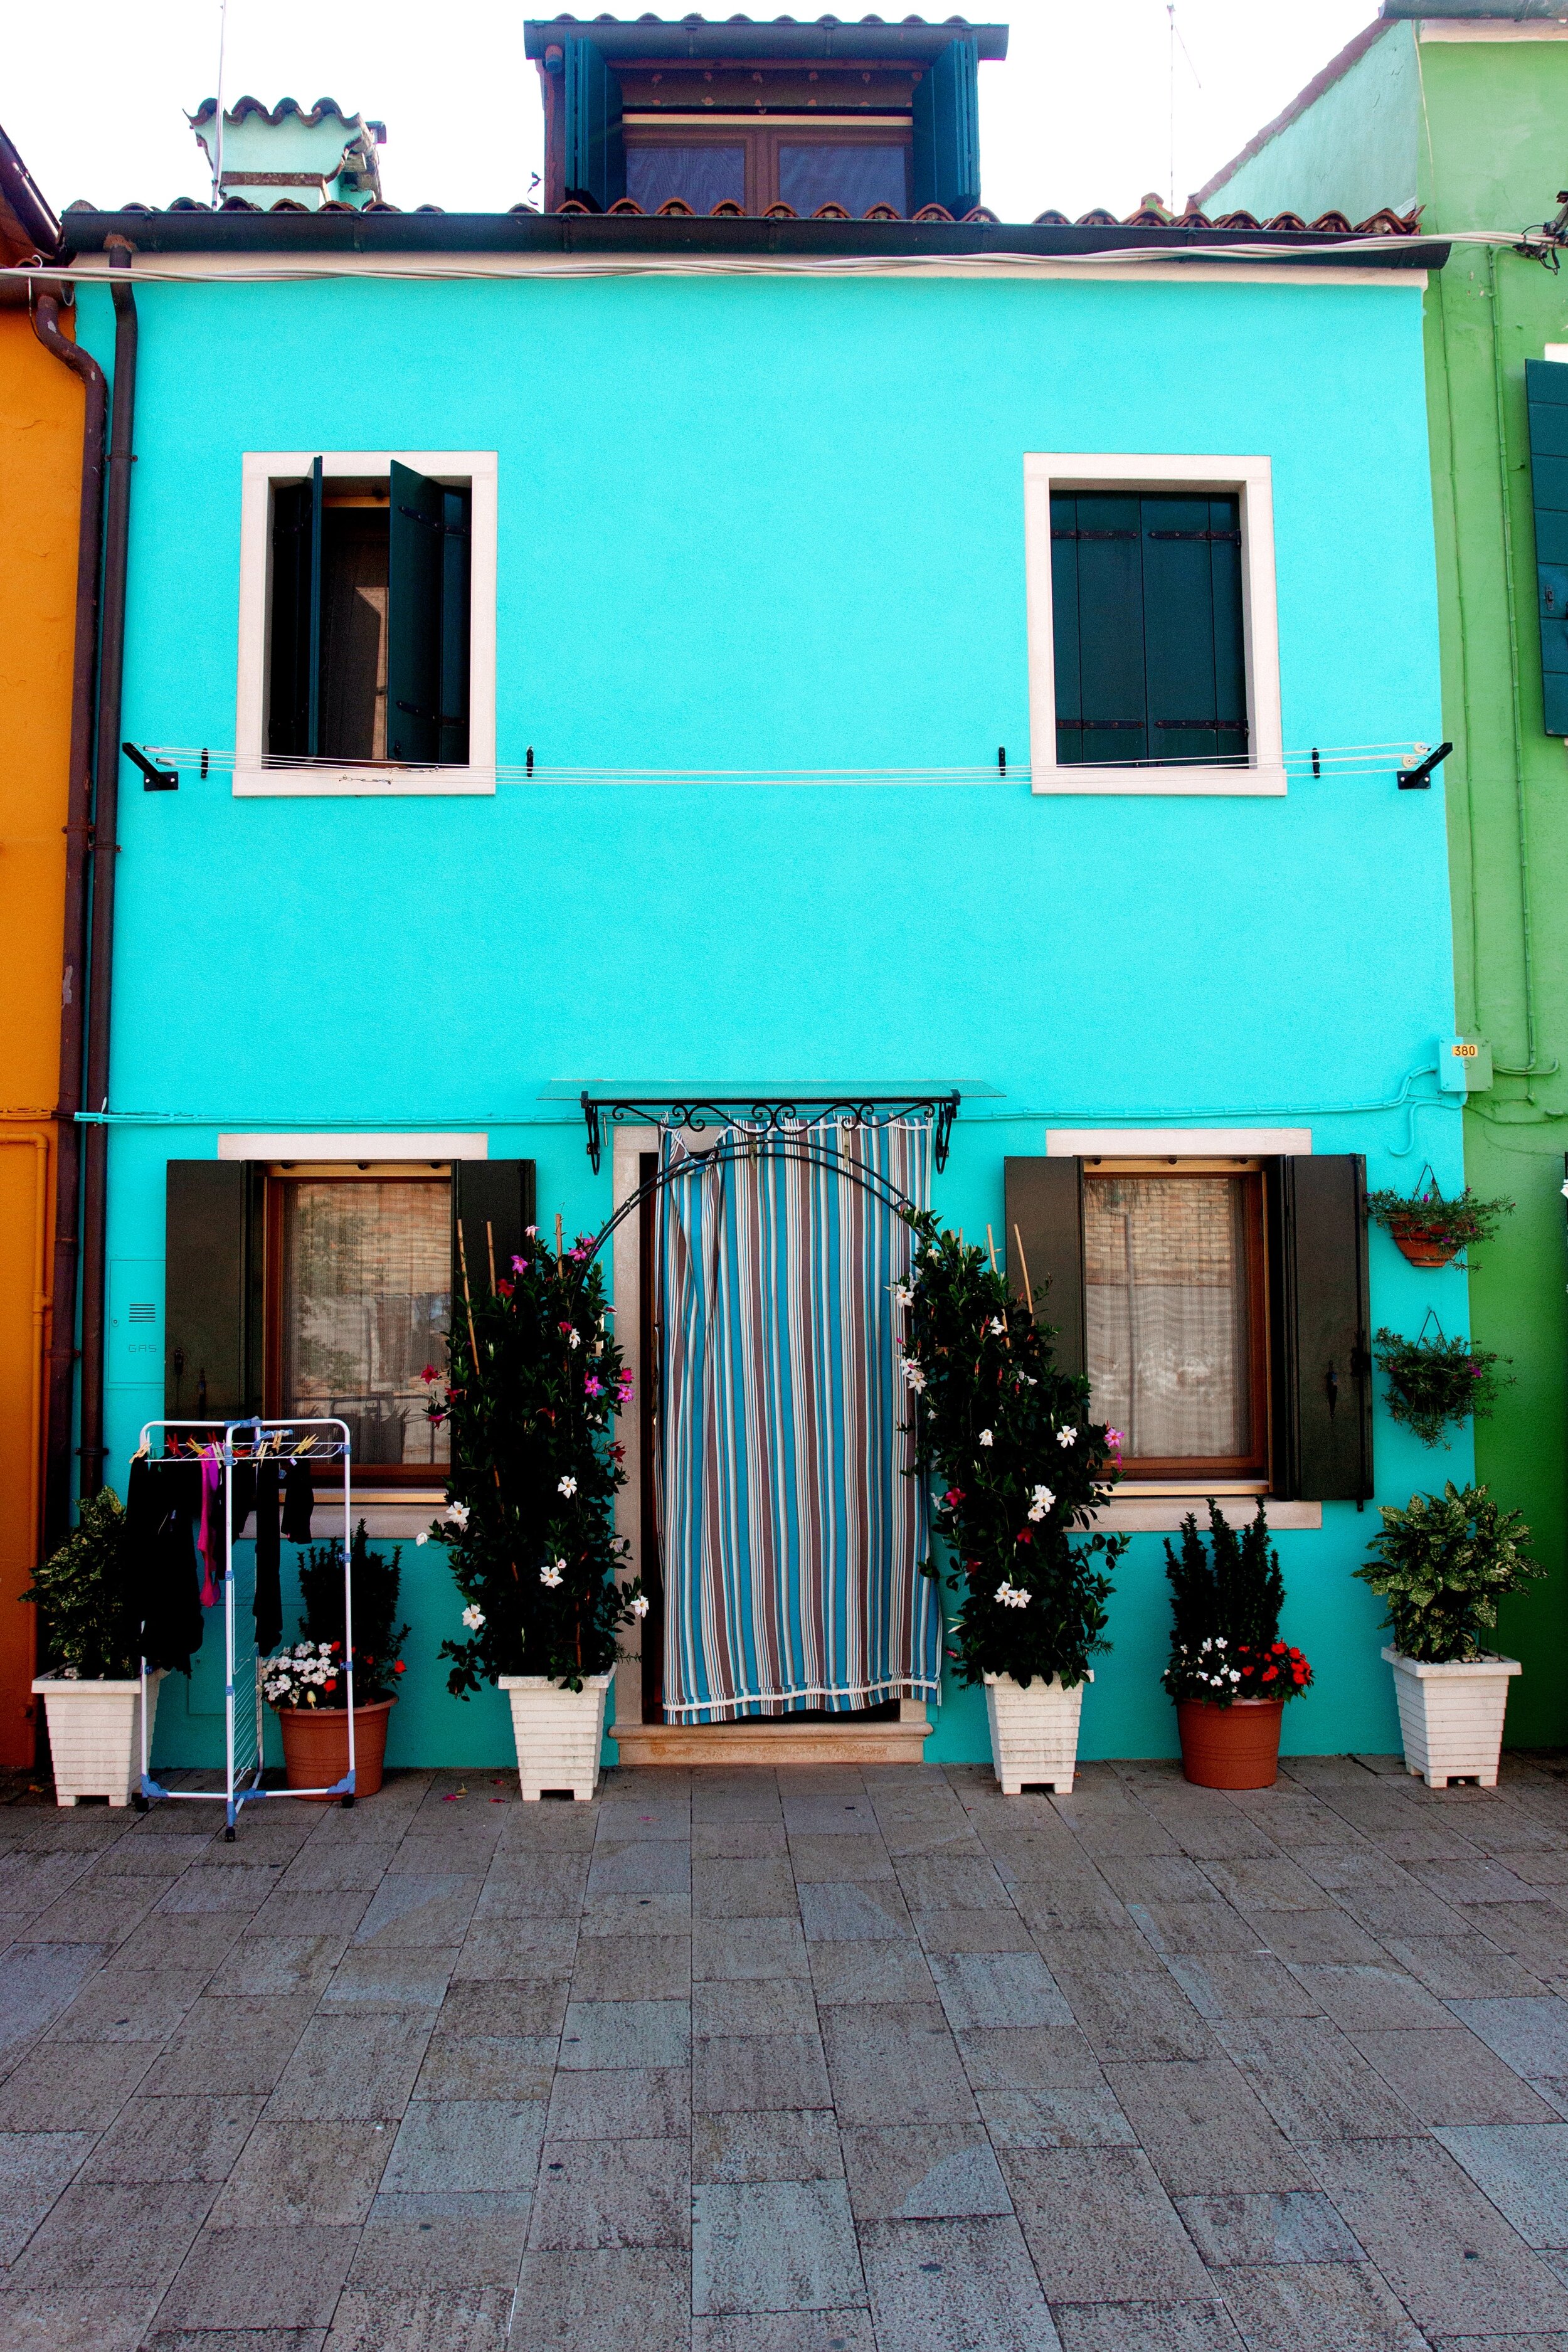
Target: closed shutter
213,1276
946,127
1149,649
595,170
1321,1356
1043,1202
294,703
427,620
1546,390
492,1207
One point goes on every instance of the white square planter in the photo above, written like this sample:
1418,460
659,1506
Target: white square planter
1033,1732
1450,1717
559,1733
94,1736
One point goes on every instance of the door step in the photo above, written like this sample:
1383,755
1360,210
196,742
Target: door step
769,1740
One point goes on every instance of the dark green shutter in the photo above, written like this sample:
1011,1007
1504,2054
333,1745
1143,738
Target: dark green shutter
947,131
1546,391
496,1194
1320,1337
1044,1207
294,701
212,1290
595,148
1146,601
427,620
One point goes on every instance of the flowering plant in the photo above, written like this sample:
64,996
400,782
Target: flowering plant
1458,1223
1434,1381
534,1378
312,1672
1224,1642
1009,1433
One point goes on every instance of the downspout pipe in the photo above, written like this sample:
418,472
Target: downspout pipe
106,813
59,1411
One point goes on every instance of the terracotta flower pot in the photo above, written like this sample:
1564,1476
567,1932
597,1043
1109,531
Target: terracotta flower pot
1234,1746
316,1746
1423,1247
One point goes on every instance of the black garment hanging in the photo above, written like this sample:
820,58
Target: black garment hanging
299,1497
163,1503
269,1602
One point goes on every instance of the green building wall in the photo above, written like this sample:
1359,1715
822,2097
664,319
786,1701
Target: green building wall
1481,108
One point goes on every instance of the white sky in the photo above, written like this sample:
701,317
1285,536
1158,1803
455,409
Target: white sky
1078,115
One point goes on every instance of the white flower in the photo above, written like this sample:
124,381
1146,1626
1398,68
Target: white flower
1041,1502
424,1537
1012,1596
1234,1675
458,1512
473,1617
985,1437
573,1338
914,1374
906,1297
551,1574
998,1329
1067,1437
566,1487
639,1606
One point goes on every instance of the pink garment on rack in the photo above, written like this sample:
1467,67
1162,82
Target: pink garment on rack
209,1536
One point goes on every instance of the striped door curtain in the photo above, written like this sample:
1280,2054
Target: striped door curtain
792,1534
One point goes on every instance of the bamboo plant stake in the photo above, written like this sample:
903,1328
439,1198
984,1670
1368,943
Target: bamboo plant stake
1024,1263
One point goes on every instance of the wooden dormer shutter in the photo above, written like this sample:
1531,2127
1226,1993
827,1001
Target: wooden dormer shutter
596,149
947,131
1546,389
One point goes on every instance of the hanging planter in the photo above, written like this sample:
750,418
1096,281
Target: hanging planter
533,1380
1435,1383
1430,1231
1025,1469
1230,1673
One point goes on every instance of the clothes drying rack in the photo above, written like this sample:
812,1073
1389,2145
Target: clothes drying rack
232,1443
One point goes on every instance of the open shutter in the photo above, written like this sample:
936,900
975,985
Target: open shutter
1322,1360
294,702
493,1193
1043,1202
947,131
212,1317
596,172
427,620
1546,390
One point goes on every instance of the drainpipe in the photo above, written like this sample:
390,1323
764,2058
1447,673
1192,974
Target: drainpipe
111,675
78,857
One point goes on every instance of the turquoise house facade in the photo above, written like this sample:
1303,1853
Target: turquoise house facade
764,792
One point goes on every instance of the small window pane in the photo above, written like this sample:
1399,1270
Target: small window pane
701,175
854,176
1166,1288
366,1282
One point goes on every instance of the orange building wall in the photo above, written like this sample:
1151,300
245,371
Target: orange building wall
40,475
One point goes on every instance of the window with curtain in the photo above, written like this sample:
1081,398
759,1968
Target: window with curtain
1173,1303
360,1293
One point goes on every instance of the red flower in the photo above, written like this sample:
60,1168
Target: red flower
1279,1649
1270,1673
331,1684
1026,1535
504,1288
397,1669
953,1495
429,1373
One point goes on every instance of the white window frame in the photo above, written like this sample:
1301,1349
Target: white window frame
1250,481
264,470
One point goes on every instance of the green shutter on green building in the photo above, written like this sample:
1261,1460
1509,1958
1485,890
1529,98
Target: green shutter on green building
1546,390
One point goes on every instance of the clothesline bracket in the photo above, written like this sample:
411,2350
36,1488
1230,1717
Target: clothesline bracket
227,1445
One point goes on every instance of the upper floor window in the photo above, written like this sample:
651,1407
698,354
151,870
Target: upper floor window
1153,663
804,164
367,624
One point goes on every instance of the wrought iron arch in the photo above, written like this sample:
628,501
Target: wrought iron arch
754,1146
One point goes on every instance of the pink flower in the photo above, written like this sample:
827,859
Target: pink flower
591,1387
429,1374
520,1266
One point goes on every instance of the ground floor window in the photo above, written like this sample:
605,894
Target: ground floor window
1175,1299
358,1296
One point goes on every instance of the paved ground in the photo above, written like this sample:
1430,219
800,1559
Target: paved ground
808,2062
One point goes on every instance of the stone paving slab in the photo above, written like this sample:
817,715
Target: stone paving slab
805,2061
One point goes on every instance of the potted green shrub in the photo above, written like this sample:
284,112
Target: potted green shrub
534,1382
1435,1383
1441,1565
1230,1673
1430,1231
307,1685
1022,1468
90,1631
